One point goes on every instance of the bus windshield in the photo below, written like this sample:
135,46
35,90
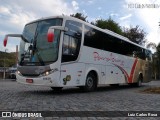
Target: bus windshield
36,50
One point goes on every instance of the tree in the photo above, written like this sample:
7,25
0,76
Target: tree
10,59
155,61
158,50
135,34
79,16
109,24
158,58
151,45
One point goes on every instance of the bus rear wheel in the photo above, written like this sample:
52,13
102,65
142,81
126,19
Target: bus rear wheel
91,83
139,82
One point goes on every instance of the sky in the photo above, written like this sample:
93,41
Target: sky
14,14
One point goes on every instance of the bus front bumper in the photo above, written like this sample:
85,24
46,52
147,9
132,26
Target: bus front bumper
42,81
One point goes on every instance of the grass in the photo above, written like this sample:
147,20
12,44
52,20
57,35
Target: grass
155,90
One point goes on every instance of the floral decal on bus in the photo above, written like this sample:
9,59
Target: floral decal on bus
66,79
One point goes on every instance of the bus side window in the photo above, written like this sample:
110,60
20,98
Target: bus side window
134,54
148,55
71,41
69,45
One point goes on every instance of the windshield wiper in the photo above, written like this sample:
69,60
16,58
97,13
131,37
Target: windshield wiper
35,49
24,39
39,57
23,56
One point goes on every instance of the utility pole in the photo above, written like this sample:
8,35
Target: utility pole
4,69
16,55
158,59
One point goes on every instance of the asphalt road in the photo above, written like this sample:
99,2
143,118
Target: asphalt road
19,97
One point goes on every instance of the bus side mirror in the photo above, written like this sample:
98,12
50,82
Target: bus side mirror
10,35
50,34
5,41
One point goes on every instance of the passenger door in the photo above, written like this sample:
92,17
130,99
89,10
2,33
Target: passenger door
71,70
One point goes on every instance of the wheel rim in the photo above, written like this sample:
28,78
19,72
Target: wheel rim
89,82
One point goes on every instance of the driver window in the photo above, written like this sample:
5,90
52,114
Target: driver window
69,45
70,49
71,41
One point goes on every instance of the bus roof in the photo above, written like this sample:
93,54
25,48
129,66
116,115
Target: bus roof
81,21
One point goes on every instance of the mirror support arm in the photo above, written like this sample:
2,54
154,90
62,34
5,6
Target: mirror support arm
59,28
13,35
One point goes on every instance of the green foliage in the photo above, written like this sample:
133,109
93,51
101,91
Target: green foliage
109,24
10,59
135,34
79,16
155,66
151,45
158,51
156,59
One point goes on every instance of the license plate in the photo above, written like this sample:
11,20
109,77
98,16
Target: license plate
29,80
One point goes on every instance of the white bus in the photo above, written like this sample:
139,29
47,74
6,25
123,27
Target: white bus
64,51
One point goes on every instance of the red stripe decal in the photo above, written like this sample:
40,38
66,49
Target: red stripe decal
132,71
129,77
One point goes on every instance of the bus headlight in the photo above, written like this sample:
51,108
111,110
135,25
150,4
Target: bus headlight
18,72
46,73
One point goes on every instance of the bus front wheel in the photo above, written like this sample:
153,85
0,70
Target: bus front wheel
91,83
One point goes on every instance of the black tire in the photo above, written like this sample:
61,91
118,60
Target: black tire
57,88
13,76
91,83
139,82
